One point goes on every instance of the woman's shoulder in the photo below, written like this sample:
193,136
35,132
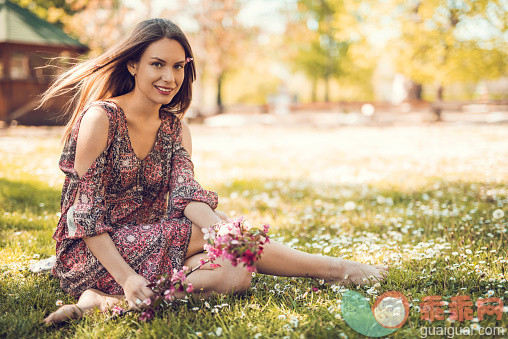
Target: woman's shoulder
96,116
98,119
105,111
110,107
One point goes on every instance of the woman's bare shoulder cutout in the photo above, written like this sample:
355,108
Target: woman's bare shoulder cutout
92,138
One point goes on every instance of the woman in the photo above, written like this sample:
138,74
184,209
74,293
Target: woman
131,209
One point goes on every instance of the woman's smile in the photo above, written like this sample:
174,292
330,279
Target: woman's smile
164,90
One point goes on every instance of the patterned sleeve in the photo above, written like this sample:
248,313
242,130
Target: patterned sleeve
182,187
89,216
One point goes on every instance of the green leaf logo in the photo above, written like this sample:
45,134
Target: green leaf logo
387,315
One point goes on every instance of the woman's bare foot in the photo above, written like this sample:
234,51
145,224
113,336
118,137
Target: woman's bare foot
63,313
89,300
347,272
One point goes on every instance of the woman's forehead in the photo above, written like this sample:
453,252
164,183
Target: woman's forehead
165,49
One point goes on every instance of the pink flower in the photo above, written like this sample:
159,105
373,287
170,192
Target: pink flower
190,288
146,315
117,310
223,230
208,233
179,275
147,302
251,268
247,225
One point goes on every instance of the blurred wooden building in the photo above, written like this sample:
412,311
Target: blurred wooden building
27,43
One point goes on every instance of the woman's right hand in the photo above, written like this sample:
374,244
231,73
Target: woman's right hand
134,285
136,290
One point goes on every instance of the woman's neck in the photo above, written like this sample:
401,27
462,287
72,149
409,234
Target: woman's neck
138,107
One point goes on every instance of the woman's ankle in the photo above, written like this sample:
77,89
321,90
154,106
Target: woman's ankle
78,312
335,269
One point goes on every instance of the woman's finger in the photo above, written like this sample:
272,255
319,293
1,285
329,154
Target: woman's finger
140,299
132,305
148,292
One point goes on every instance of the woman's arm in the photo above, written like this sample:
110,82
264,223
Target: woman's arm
92,141
200,214
133,284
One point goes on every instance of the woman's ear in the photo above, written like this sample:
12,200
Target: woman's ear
132,67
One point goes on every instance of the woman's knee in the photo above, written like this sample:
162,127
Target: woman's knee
240,278
246,281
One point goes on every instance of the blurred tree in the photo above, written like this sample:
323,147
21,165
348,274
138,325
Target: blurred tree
220,40
96,23
57,12
326,44
101,23
435,46
313,35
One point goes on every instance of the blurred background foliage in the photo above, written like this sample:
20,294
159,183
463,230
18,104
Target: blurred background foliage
314,50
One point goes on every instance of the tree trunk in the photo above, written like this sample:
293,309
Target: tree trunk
220,107
437,107
414,91
327,88
314,90
418,91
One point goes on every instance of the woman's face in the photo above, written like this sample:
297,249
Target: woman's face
160,71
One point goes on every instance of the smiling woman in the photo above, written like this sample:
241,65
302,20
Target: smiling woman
131,209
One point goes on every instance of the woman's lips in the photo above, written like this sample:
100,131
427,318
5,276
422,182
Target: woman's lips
164,90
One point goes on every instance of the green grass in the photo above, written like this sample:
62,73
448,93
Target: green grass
436,228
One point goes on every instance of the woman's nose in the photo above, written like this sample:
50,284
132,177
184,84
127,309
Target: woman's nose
168,75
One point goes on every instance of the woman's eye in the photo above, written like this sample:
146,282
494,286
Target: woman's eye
178,66
157,64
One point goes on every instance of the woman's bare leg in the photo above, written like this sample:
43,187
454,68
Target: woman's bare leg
281,260
278,259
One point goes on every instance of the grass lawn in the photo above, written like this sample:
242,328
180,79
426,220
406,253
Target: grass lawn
430,201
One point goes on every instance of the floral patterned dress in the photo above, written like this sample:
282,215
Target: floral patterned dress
138,202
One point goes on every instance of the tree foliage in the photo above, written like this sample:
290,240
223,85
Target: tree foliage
96,23
220,40
58,12
325,43
432,48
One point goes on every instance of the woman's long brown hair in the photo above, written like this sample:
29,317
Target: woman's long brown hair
107,75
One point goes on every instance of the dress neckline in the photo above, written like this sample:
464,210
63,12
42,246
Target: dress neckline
129,142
